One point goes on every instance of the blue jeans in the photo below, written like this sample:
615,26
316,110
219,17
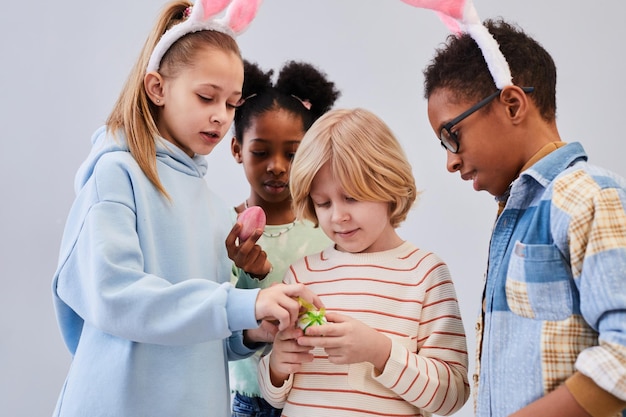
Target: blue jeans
244,406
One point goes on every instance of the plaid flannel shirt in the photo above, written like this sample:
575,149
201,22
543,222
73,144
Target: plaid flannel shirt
555,293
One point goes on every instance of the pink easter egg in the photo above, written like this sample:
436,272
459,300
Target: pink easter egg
251,219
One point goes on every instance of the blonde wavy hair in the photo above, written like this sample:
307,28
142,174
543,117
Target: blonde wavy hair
134,114
364,156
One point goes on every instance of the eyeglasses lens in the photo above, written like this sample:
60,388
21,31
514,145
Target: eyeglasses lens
447,141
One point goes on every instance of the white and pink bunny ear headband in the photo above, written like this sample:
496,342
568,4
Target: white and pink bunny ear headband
202,16
461,16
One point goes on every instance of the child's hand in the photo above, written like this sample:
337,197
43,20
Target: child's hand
265,333
248,255
347,340
279,302
287,355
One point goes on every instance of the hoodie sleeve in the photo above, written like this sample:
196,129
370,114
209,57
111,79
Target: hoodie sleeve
108,249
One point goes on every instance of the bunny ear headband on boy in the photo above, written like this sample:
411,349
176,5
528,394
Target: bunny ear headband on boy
461,16
203,17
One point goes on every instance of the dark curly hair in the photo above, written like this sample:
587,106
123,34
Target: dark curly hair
297,82
460,66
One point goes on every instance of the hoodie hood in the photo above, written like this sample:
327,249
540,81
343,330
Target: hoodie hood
103,142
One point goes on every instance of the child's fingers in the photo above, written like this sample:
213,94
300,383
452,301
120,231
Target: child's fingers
286,316
289,333
251,241
234,232
252,259
270,329
335,317
300,290
231,241
312,341
274,304
279,302
324,330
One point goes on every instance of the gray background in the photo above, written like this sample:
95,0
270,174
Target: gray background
64,62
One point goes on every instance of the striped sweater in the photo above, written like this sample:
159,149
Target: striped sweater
405,293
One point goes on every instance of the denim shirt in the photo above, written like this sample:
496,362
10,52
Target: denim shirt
555,293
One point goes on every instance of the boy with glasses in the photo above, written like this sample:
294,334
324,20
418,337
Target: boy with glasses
552,333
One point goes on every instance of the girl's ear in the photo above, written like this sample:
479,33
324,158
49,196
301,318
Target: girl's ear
153,83
235,148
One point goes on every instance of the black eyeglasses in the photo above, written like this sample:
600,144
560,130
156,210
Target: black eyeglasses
449,139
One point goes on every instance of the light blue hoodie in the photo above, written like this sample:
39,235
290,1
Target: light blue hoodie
142,290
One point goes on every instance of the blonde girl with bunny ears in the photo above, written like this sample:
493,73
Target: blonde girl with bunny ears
142,290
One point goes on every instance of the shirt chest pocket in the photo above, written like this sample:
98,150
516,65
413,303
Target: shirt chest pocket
539,284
